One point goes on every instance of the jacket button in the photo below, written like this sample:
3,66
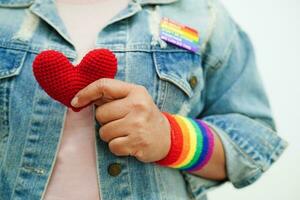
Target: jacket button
114,169
193,81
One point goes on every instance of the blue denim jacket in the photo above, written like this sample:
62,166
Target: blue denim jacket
219,84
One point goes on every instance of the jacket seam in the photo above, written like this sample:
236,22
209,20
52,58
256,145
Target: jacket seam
16,5
278,149
218,60
22,156
212,25
249,179
6,115
55,157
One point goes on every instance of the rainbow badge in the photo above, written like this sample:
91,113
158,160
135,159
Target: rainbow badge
179,35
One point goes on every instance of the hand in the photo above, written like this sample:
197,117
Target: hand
131,122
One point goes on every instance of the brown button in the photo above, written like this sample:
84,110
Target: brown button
114,169
193,81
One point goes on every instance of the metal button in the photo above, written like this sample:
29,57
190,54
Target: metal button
193,81
114,169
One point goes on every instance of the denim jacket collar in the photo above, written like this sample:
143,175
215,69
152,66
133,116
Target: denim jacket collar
47,11
16,3
26,3
144,2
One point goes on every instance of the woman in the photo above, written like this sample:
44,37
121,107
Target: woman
119,146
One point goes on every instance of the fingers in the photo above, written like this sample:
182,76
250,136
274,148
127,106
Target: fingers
122,141
111,111
120,146
117,138
103,88
112,130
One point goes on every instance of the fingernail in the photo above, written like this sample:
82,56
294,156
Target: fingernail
74,101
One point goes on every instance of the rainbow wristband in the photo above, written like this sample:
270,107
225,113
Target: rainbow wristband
192,144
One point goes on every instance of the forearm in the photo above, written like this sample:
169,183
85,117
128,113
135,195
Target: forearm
216,167
195,148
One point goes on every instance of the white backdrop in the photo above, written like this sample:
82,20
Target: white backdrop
274,27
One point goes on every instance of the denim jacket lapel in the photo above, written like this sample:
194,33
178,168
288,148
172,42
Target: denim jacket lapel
47,11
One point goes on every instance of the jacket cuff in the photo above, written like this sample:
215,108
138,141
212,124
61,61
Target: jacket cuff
242,169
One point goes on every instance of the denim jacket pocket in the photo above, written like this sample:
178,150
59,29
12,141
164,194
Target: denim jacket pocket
11,62
182,74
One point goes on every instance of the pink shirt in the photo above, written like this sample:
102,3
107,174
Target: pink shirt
75,175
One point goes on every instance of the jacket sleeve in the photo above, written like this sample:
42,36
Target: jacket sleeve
237,107
236,104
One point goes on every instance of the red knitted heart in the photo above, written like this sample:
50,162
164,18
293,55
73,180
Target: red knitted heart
61,80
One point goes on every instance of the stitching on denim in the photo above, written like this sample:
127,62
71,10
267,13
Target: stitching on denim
16,5
280,147
7,96
35,170
249,179
165,89
56,153
212,24
129,177
160,85
26,139
180,83
4,113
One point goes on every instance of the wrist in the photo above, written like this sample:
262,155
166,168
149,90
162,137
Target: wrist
166,142
192,144
176,141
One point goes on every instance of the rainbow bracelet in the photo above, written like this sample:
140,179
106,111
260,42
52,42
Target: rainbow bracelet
192,144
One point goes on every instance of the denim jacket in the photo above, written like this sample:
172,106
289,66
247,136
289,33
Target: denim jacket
219,84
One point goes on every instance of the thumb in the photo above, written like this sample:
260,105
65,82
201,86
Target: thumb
104,89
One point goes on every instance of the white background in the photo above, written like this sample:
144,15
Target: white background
274,27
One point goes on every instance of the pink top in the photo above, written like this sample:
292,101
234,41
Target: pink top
74,175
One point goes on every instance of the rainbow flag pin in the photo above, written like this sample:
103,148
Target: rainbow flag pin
179,34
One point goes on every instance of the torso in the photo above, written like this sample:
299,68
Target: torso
75,175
